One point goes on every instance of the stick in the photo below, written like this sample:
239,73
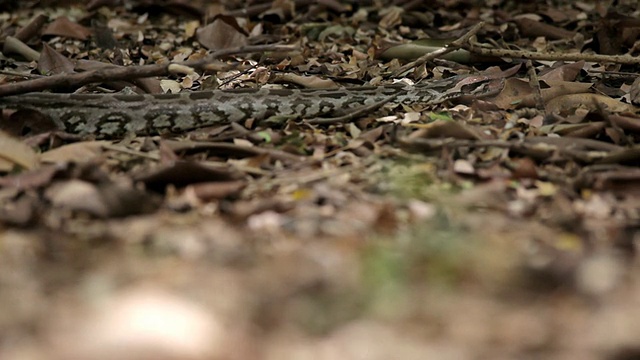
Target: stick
126,73
532,55
352,115
454,45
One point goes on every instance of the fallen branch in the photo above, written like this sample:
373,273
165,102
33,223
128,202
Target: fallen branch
452,46
352,115
128,72
532,55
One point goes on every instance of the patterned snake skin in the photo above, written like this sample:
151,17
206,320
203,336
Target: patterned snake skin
111,115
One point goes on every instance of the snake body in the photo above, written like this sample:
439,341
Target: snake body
111,115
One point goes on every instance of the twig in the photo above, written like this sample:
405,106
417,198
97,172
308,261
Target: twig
521,54
452,46
126,73
22,75
534,84
352,115
255,10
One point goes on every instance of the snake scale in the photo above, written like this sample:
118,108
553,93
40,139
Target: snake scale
112,115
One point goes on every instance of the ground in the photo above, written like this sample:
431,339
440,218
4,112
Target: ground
498,225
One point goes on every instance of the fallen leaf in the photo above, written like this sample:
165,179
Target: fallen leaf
52,62
62,26
223,33
309,82
567,104
217,190
16,153
80,152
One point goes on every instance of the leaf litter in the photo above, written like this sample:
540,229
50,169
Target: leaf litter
502,226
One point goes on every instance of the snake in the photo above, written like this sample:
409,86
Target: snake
106,115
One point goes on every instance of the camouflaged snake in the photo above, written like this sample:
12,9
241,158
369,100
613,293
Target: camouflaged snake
113,115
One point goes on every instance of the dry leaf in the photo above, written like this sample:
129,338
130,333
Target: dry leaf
223,33
567,104
309,82
79,153
62,26
52,62
16,153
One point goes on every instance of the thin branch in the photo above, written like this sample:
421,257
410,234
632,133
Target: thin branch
521,54
454,45
126,73
352,115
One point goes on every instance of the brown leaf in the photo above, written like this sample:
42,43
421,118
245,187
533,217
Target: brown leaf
28,122
518,93
309,82
523,168
512,93
567,104
223,33
80,152
62,26
52,62
565,72
532,28
32,29
30,179
210,191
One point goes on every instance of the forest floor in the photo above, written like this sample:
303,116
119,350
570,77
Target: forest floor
501,226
